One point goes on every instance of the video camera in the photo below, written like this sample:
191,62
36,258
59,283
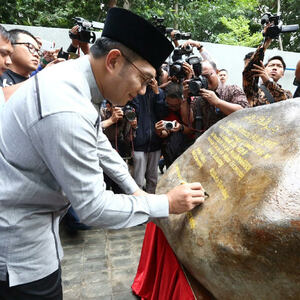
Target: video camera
158,23
85,33
276,26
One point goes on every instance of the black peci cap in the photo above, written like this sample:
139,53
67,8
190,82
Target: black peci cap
138,35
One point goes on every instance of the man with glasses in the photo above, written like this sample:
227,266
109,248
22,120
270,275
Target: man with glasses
51,142
25,57
217,101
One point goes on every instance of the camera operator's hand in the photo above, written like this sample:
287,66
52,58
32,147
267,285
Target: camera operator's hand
173,37
188,69
186,90
117,114
210,96
160,129
154,86
185,197
74,30
260,71
191,43
177,127
75,43
48,57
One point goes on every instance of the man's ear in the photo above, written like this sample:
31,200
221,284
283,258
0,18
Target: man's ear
217,71
113,60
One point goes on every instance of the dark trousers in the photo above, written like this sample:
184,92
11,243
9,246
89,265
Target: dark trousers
47,288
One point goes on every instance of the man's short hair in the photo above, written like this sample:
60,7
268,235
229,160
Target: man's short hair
4,34
223,70
279,58
174,90
248,55
103,45
14,33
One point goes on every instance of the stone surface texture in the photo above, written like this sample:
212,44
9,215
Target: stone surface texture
244,241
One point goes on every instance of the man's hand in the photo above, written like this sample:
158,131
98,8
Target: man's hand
260,71
140,192
188,69
160,129
177,127
210,96
185,197
154,86
191,43
117,114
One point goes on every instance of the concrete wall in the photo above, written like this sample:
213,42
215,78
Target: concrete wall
225,56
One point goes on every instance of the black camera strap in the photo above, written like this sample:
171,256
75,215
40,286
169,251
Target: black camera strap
267,93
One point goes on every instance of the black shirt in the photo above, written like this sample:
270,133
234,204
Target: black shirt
9,78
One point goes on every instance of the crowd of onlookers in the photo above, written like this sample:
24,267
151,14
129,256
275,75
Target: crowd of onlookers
157,127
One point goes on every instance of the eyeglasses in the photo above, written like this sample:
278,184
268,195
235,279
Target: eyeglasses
31,48
146,80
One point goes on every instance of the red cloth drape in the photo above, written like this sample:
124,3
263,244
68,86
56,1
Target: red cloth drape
159,275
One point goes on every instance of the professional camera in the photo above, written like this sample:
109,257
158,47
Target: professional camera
199,81
276,26
85,33
129,113
158,23
196,84
176,68
168,125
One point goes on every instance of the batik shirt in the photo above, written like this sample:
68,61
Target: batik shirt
255,95
209,113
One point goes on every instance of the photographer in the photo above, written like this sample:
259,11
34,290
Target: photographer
177,135
149,109
216,101
269,91
120,131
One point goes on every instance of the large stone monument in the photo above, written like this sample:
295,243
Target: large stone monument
244,241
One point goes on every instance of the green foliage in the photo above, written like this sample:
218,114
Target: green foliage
239,33
228,21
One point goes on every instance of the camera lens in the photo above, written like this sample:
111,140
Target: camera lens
169,125
129,115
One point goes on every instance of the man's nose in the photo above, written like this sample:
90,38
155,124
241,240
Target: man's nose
8,60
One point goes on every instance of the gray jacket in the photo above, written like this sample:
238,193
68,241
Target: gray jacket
52,145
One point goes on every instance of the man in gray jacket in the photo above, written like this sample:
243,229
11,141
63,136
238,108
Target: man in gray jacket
51,142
